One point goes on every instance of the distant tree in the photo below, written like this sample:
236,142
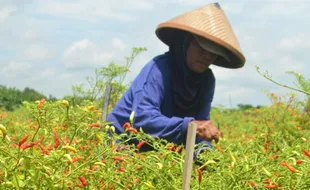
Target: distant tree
10,98
113,74
259,106
245,106
52,98
31,95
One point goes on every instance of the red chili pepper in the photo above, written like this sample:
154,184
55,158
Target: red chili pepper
139,167
57,142
66,140
171,147
94,125
135,181
271,186
42,138
274,157
79,185
199,175
83,180
75,159
42,148
84,147
28,145
267,181
131,129
129,185
219,148
266,146
49,147
111,187
23,140
126,125
40,105
121,169
14,145
252,184
117,158
291,168
178,149
299,161
141,144
307,153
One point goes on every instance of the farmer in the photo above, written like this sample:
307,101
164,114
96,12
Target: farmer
177,87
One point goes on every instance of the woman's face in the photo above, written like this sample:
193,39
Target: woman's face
198,59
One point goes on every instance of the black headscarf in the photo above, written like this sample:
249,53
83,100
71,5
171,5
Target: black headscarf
188,87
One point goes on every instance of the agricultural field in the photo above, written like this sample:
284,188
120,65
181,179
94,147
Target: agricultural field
54,145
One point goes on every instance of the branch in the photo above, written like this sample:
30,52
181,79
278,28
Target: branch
283,85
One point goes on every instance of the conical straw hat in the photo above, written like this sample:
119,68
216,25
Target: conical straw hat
209,22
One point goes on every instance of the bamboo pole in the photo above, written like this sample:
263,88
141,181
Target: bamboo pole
189,153
106,101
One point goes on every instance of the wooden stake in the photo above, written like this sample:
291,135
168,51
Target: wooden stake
108,89
189,153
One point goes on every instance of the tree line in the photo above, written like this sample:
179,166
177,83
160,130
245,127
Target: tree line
12,98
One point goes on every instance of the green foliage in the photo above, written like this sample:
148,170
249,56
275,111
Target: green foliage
113,74
12,98
248,154
245,106
9,98
303,85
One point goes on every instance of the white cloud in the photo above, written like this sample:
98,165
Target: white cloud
287,63
46,73
86,53
132,5
295,43
226,94
286,8
30,35
118,44
37,53
16,69
66,75
96,10
6,12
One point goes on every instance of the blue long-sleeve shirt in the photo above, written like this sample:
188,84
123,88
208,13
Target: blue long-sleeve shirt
150,97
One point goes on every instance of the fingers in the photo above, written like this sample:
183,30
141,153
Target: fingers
207,135
216,138
212,135
210,131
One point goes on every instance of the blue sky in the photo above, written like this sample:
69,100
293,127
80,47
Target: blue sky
49,45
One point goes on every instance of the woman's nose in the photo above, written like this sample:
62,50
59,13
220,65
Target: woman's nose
206,57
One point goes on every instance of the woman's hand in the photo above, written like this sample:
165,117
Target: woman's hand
206,130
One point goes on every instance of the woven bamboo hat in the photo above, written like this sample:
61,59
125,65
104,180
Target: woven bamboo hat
211,23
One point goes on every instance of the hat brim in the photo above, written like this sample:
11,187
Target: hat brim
168,32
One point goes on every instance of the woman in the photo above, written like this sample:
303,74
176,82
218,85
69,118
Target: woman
177,88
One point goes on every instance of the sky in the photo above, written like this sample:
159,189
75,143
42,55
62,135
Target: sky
50,45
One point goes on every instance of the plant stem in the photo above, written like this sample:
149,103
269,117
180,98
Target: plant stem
37,129
87,162
9,154
75,130
150,168
283,85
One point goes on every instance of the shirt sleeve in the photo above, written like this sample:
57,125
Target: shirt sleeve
148,115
